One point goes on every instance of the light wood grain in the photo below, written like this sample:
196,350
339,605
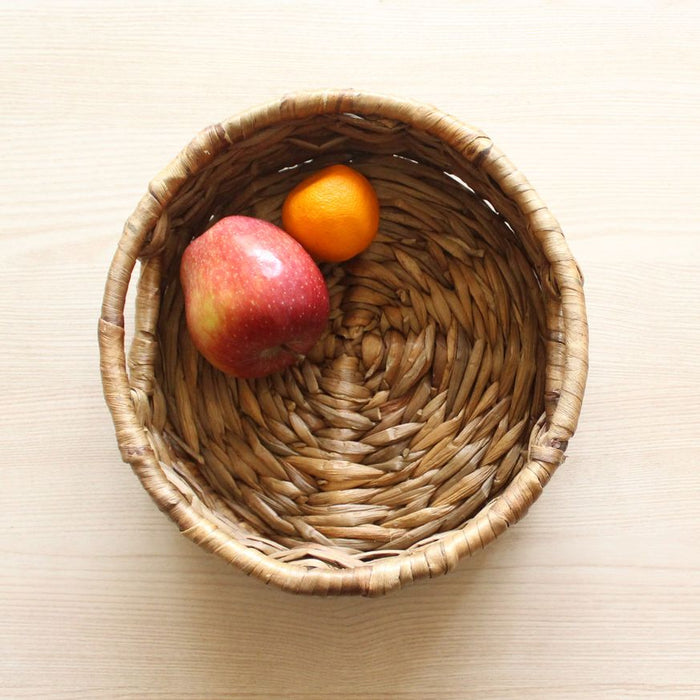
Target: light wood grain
596,594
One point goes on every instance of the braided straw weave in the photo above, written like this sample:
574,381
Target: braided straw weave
439,401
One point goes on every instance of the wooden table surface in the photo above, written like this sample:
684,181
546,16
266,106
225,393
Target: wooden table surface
595,594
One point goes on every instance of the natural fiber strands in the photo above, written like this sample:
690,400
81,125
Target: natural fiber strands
437,404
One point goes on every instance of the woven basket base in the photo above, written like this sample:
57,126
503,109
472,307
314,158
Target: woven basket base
417,405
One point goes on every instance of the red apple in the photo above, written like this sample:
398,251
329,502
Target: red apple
254,299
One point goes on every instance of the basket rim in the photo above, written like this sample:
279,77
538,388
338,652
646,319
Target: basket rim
546,453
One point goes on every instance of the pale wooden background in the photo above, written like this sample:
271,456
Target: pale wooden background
596,594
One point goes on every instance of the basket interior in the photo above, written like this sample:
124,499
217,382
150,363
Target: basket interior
416,406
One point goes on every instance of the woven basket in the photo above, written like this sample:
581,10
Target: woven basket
436,406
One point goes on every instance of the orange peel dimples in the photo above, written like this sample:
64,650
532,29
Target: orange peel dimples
333,213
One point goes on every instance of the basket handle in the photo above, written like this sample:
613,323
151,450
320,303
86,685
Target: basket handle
132,441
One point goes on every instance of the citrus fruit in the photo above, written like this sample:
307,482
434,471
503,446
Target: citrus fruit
333,213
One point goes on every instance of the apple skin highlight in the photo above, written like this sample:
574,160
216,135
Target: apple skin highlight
254,298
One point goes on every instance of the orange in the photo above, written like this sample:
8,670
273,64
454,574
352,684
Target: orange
333,213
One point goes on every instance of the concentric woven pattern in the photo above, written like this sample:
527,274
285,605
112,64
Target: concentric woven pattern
429,415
